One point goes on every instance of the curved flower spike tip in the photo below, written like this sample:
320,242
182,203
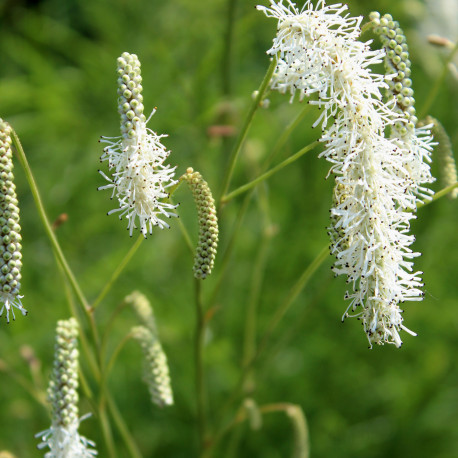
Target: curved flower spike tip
155,367
139,178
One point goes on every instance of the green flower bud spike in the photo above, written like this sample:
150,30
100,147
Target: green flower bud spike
155,368
63,438
397,64
10,238
208,224
447,165
415,142
130,98
62,391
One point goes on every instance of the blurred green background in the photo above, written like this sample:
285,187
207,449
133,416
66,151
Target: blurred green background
58,90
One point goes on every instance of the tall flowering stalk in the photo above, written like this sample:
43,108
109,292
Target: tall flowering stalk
63,438
10,238
139,177
377,183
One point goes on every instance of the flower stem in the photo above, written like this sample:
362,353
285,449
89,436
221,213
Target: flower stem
44,219
294,292
122,427
249,344
286,134
59,255
438,195
278,315
292,410
226,257
227,54
254,106
199,369
438,84
269,173
238,223
69,275
133,249
107,433
109,365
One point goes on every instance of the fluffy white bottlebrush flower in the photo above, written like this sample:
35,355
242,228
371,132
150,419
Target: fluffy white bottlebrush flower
318,54
139,178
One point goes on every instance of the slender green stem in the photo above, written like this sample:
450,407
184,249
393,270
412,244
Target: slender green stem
68,273
106,398
269,173
184,231
200,376
46,224
123,429
366,27
224,263
438,195
227,253
438,84
235,152
294,292
286,134
106,369
227,54
256,281
118,271
107,433
83,338
20,380
278,315
242,415
54,242
109,326
186,236
109,365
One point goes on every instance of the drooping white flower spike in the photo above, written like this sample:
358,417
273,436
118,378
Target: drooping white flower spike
318,54
139,178
62,437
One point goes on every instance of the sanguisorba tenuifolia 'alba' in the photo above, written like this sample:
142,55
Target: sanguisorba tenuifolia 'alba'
139,178
377,179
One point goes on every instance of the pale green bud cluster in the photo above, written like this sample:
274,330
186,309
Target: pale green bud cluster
10,241
397,64
208,224
130,99
62,390
155,367
444,151
142,308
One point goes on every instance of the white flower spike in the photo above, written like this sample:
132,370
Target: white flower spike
62,438
10,239
139,178
378,182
